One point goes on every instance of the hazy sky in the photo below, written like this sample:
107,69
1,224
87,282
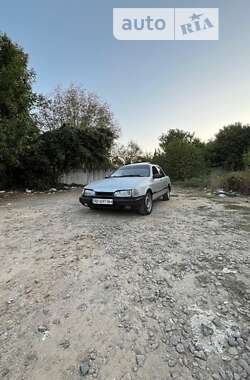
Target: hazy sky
151,86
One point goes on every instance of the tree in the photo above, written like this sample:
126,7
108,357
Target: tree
246,159
75,108
173,135
17,130
62,150
126,154
181,154
229,146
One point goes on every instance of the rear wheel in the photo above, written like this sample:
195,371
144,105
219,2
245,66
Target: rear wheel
166,196
147,204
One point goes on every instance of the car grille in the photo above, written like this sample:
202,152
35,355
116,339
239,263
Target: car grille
104,194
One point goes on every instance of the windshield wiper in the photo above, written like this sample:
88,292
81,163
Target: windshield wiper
128,175
133,175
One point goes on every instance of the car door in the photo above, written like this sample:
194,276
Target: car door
156,185
164,179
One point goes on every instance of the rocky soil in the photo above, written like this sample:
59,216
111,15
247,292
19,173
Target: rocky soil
117,296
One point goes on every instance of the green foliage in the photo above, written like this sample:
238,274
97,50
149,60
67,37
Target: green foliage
75,127
197,182
61,150
176,135
17,129
42,137
16,96
229,146
246,159
233,181
182,155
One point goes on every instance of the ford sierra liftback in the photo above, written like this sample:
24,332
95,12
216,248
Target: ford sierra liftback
134,185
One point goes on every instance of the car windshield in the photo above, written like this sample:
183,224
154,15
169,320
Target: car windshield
132,171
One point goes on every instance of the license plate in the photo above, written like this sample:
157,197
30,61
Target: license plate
98,201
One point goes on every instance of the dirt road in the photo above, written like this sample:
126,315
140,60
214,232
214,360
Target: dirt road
114,295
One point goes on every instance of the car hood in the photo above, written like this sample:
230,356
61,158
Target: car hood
113,184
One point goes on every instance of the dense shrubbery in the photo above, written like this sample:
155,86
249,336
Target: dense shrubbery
181,155
235,181
40,138
238,181
229,147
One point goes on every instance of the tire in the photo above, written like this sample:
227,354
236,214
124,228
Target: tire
146,206
166,196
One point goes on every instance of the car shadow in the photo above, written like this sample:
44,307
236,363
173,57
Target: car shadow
126,211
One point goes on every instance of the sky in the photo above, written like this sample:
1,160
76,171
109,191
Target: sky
151,86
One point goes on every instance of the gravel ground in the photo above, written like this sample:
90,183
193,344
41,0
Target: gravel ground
114,295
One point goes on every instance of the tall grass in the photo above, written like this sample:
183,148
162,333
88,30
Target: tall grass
231,181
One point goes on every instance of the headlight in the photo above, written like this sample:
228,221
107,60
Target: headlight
88,193
123,193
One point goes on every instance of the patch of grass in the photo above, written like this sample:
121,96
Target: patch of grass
196,182
233,181
238,182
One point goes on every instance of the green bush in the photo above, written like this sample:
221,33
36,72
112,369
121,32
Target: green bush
197,182
233,181
237,181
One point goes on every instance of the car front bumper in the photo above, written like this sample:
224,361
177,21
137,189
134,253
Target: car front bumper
117,202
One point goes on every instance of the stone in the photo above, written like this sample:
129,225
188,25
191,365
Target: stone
233,351
217,322
84,368
56,322
206,330
42,328
65,344
5,372
168,327
232,341
92,355
191,348
222,374
30,357
180,348
244,365
174,340
140,360
236,376
172,363
229,375
127,376
215,376
200,355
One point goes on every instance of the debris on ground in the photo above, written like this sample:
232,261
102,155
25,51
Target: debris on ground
222,193
113,295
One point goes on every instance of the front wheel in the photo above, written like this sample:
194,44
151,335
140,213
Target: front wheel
166,196
147,204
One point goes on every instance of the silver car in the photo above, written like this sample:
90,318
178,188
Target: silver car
135,185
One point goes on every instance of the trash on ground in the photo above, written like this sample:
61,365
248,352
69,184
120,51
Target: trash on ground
222,193
227,270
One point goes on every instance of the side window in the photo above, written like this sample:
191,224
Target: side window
155,171
162,173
